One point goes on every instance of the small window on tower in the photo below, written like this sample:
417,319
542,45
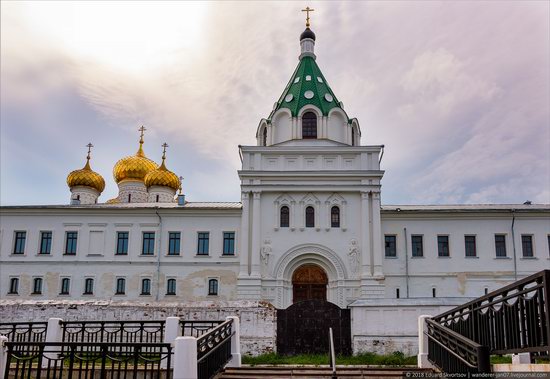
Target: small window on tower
264,137
129,197
158,198
285,217
310,217
352,136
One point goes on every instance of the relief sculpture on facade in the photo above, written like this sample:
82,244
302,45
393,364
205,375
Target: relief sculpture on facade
353,256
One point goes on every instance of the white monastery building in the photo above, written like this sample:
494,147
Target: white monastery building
310,225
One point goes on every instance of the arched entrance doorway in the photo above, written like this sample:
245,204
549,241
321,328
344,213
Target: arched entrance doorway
309,282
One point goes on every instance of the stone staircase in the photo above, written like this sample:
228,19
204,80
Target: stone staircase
318,372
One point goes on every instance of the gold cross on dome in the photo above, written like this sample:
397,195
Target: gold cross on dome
164,146
307,10
142,130
89,146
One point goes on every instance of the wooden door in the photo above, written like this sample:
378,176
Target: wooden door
309,282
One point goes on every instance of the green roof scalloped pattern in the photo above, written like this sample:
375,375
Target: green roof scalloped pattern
298,88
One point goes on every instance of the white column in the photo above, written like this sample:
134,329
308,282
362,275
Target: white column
53,334
244,251
376,235
327,216
171,332
365,241
256,237
235,343
3,355
521,358
292,215
423,361
185,358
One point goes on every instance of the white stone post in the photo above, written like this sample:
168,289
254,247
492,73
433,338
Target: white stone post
54,333
185,358
171,332
3,355
423,361
521,358
235,343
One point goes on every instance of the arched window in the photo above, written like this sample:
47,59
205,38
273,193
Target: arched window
158,197
335,217
146,287
88,286
129,197
37,286
310,217
120,286
352,136
309,125
264,137
171,287
65,286
285,217
212,286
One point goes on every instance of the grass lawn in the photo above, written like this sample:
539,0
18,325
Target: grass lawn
395,359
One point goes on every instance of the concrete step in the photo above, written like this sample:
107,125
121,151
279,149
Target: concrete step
309,372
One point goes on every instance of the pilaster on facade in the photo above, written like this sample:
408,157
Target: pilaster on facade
365,238
256,237
377,236
245,237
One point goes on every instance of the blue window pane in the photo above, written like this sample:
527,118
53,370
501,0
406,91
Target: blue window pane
229,243
203,242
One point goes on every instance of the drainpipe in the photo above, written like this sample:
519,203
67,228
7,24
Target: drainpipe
514,246
159,252
406,263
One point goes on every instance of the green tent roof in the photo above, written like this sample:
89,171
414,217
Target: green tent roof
307,86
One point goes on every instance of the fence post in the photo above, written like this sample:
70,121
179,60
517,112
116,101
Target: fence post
185,358
423,361
171,332
235,343
53,334
3,355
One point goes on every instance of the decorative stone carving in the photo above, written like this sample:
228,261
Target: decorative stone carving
353,256
265,252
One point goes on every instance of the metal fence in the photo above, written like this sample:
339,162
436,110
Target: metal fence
197,328
79,360
113,331
214,350
24,331
513,319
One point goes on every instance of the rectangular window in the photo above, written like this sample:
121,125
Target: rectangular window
88,286
212,287
122,243
443,246
390,246
65,286
45,242
146,287
37,286
120,286
19,245
148,247
14,286
500,245
70,243
174,243
417,246
171,287
228,243
527,246
470,246
202,248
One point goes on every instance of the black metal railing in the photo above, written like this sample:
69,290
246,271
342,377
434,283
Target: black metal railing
113,331
79,360
24,331
513,319
197,328
454,353
214,350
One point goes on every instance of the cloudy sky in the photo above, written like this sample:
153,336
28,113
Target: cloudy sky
458,92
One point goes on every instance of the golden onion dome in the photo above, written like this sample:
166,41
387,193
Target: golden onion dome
162,176
86,176
112,201
134,167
